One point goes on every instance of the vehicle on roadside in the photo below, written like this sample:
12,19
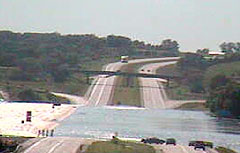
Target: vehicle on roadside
153,140
205,143
199,146
171,141
56,104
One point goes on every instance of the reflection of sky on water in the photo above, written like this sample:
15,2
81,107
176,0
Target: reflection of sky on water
100,122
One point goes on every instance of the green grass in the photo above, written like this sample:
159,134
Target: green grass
176,89
76,84
117,146
224,150
228,69
193,107
129,95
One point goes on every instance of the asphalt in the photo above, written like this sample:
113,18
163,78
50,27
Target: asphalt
153,92
102,90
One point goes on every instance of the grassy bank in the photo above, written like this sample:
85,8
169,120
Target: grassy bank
224,150
193,107
177,88
117,146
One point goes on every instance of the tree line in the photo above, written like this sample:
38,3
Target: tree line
223,92
43,55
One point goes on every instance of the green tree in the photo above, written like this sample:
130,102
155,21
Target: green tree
191,60
204,51
28,94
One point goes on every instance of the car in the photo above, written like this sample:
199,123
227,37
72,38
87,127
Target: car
56,104
153,140
171,141
199,146
205,143
193,143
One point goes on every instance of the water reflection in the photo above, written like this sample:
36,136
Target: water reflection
102,122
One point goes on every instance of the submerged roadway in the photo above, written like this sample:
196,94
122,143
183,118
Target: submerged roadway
100,93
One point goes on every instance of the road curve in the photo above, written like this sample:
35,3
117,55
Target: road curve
153,92
103,88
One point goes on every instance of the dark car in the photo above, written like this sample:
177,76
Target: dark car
205,143
199,146
171,141
153,140
56,104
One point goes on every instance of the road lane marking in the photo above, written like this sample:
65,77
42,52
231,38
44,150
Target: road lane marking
55,146
101,91
34,145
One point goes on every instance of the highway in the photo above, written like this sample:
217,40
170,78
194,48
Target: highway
77,145
181,149
101,91
55,145
153,94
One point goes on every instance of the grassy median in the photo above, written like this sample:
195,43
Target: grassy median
127,89
129,93
118,146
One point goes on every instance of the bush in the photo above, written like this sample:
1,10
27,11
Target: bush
28,94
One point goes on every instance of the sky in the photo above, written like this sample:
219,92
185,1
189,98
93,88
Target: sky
193,23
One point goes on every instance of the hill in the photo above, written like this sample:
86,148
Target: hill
44,62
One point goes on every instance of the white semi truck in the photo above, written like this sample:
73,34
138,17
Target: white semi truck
124,59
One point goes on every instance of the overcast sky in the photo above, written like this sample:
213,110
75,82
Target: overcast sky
193,23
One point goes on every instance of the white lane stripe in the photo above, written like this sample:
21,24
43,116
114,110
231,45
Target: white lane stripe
183,149
34,145
101,92
55,146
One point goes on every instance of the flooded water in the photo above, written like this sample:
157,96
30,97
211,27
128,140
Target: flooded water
102,122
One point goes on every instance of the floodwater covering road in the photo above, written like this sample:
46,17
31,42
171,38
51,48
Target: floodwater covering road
129,122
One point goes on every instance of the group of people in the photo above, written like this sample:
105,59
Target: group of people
45,133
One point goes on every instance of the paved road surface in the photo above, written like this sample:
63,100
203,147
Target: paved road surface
103,88
55,145
75,99
76,145
181,149
153,92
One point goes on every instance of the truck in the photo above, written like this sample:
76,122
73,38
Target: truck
124,59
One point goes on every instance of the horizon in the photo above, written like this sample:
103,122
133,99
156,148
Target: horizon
194,24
